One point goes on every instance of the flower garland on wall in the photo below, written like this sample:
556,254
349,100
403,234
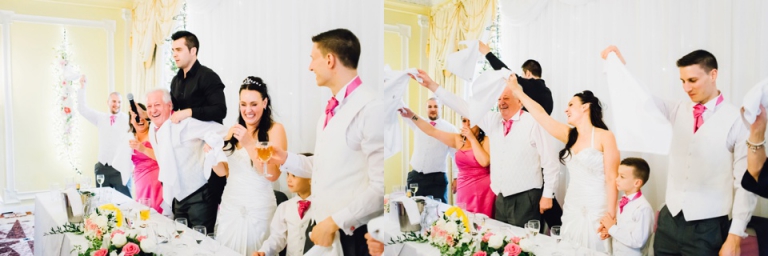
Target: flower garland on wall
65,125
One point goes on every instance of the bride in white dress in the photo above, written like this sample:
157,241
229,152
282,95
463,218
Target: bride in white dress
248,202
592,158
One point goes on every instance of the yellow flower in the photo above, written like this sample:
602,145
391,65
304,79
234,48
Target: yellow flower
118,213
459,213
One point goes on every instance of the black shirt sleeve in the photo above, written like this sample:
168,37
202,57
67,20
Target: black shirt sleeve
216,107
495,62
760,186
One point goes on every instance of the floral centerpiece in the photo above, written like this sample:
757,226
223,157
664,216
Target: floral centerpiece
453,234
106,235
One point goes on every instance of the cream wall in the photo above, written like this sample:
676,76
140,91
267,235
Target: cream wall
405,41
32,53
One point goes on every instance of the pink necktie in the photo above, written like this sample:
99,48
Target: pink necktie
303,207
112,120
698,120
432,123
507,126
625,200
332,103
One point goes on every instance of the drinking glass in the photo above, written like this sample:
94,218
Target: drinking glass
264,151
181,225
201,230
533,227
100,179
146,204
555,233
414,187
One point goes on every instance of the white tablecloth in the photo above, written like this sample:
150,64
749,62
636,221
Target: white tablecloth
546,245
51,212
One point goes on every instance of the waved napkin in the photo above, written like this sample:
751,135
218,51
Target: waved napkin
756,96
640,131
122,161
463,63
326,251
395,86
414,216
215,155
486,90
75,201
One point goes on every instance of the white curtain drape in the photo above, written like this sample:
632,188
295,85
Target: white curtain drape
566,37
152,23
272,40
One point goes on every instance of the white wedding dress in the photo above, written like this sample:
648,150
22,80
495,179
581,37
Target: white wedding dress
585,197
247,206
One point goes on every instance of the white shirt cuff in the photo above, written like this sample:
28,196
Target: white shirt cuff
739,228
343,220
548,193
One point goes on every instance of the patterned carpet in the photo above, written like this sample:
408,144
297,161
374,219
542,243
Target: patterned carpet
16,235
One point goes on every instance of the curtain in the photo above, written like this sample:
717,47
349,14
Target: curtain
566,37
450,23
152,23
272,40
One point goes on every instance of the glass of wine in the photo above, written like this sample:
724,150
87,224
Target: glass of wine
555,233
533,228
414,187
202,231
264,151
100,179
181,225
146,203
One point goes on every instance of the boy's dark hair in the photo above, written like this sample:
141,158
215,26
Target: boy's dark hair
642,170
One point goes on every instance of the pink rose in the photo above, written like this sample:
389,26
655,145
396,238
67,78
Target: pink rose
101,252
487,236
116,232
449,240
140,238
131,249
515,240
480,253
513,249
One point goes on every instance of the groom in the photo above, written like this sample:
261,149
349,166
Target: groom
179,152
347,169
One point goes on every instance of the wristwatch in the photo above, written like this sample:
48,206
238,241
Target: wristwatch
415,118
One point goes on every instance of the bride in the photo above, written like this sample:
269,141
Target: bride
248,202
592,158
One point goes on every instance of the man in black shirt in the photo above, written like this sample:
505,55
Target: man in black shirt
197,92
534,87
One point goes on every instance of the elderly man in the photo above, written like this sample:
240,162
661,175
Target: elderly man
184,166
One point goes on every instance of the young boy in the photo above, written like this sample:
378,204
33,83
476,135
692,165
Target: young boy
633,224
289,225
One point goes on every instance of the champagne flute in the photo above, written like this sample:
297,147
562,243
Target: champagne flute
100,179
533,227
201,230
555,233
264,151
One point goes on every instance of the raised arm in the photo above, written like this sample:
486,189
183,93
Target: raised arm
443,136
448,99
495,62
556,129
82,107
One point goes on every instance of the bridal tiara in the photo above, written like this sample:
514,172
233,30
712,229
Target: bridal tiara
249,81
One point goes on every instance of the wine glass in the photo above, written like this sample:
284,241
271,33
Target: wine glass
533,227
555,233
146,204
201,230
414,187
264,151
181,225
100,179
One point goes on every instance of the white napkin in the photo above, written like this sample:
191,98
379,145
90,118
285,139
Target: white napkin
486,90
334,249
640,126
395,86
75,201
463,63
216,154
756,96
122,161
410,208
70,73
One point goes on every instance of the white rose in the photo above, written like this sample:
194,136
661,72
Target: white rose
496,241
466,239
148,245
121,254
119,240
440,223
113,253
451,228
527,245
495,254
100,221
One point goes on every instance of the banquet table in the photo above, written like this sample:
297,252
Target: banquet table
50,211
545,245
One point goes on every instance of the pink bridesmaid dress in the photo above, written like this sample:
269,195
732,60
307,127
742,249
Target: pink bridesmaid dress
145,174
473,186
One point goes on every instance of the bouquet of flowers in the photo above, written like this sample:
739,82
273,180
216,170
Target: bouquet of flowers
499,245
105,235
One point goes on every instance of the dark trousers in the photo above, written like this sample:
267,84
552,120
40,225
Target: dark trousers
675,236
112,178
198,208
760,225
553,216
216,186
354,245
519,208
432,184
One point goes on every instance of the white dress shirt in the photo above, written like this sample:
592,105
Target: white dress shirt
110,135
692,169
633,228
184,167
517,159
349,206
287,230
430,154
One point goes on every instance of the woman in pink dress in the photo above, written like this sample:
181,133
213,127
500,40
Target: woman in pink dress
145,166
473,185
